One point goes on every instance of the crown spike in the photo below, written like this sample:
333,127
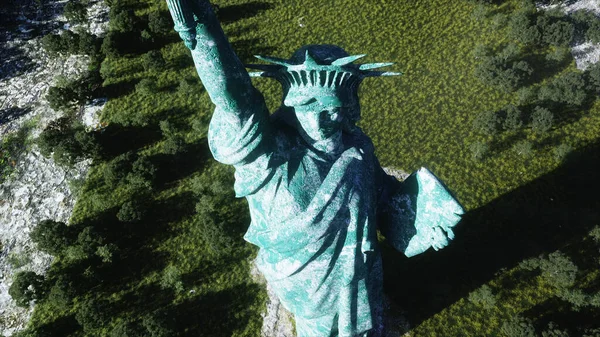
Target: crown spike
381,73
368,66
275,60
309,60
264,67
347,60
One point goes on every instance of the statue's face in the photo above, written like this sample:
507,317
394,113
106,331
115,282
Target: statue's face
319,120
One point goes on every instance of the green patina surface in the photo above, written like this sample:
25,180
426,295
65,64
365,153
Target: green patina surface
315,189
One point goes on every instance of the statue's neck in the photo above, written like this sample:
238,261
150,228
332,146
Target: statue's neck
328,149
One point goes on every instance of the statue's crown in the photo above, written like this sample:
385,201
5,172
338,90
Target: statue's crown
323,71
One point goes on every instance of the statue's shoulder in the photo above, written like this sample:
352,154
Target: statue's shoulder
361,141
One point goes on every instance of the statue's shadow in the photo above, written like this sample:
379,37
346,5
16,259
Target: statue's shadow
539,217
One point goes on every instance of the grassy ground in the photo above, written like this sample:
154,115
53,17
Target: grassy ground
518,207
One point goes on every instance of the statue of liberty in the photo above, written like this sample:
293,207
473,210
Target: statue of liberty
316,192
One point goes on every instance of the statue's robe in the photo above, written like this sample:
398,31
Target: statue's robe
314,219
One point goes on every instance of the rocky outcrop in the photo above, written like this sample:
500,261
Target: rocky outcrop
39,189
585,53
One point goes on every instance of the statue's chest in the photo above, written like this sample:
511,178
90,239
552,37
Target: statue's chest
303,178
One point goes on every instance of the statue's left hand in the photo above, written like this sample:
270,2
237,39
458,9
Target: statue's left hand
436,213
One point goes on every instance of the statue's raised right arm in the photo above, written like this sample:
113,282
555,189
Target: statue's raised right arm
239,122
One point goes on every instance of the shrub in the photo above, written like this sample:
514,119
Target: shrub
518,327
541,120
89,240
75,12
146,87
159,23
592,76
562,151
174,143
92,314
512,120
62,292
558,55
554,331
527,95
131,211
110,45
559,270
51,237
171,279
107,252
593,32
559,33
486,123
52,44
68,141
153,60
26,287
569,88
483,296
122,21
506,75
88,44
479,150
522,28
116,170
523,148
480,12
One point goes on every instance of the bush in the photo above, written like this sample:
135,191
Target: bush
496,71
107,252
142,175
569,88
27,286
518,327
92,314
562,151
68,142
174,143
522,28
116,170
592,76
513,120
593,32
110,45
541,120
62,293
88,44
153,60
554,331
171,279
122,21
160,23
559,33
559,270
523,148
486,123
51,237
483,296
527,95
75,12
558,55
52,44
131,211
146,87
479,150
89,240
